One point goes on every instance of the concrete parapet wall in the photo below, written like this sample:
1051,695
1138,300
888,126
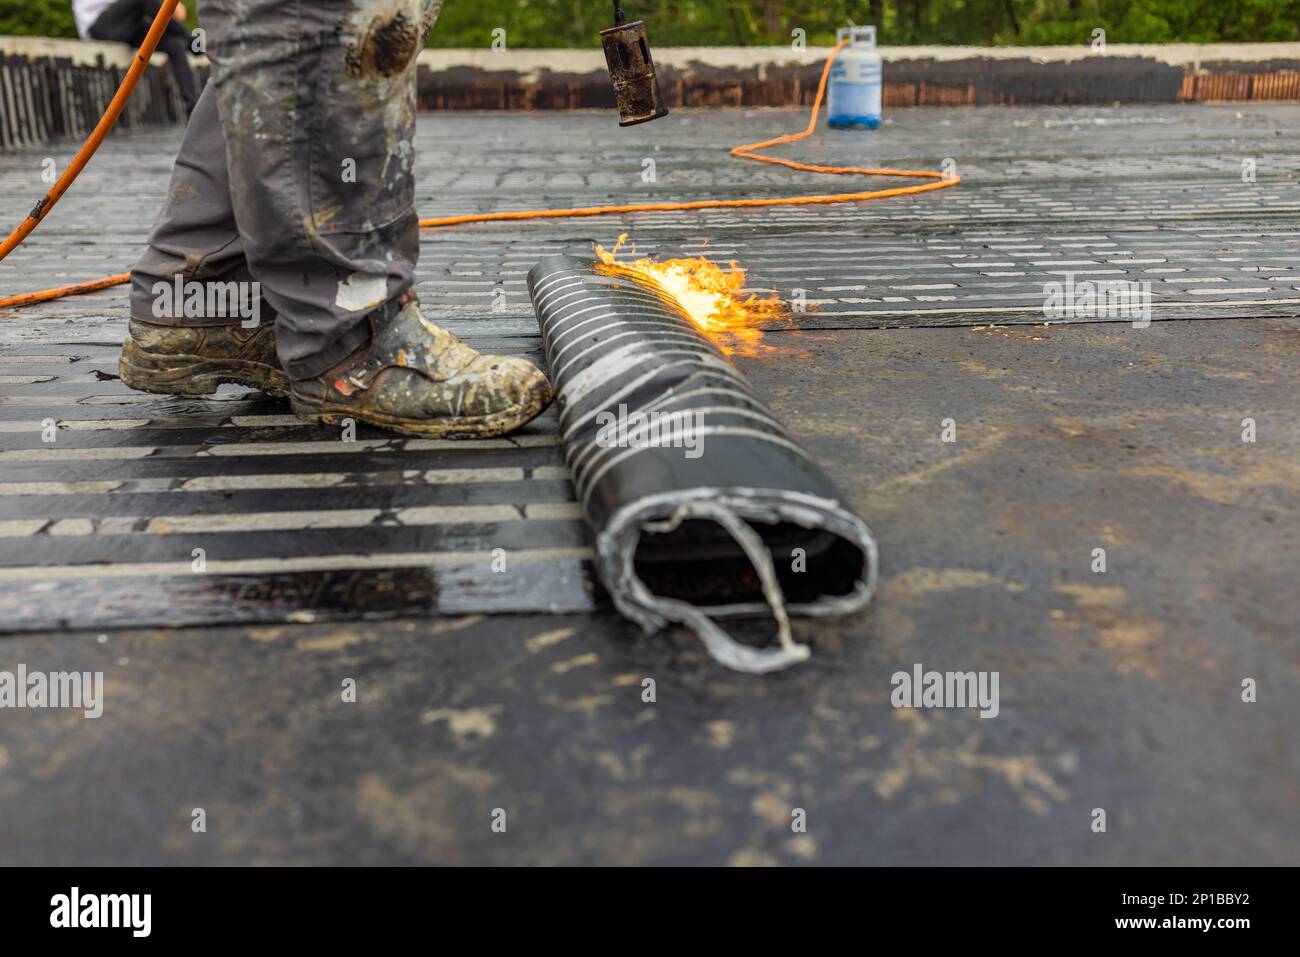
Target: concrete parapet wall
56,88
914,76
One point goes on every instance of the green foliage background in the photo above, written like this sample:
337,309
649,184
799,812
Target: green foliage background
574,23
36,18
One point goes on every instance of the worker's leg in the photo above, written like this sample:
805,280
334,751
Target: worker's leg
195,234
317,106
317,101
184,340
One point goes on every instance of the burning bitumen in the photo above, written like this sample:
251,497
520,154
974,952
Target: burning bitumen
712,297
702,504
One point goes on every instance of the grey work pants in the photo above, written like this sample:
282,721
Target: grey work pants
297,170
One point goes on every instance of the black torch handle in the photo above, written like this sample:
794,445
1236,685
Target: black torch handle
620,17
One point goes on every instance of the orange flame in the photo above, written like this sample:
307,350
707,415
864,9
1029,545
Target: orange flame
712,297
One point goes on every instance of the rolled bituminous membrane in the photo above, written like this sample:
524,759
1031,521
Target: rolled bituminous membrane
703,506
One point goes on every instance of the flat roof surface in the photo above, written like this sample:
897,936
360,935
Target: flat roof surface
1119,690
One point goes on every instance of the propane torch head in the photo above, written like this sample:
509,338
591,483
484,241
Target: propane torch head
636,87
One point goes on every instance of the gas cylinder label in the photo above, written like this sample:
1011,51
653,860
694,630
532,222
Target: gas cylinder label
854,94
856,99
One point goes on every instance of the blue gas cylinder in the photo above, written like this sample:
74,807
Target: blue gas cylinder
853,94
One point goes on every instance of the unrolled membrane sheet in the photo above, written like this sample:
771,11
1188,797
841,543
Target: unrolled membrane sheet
703,506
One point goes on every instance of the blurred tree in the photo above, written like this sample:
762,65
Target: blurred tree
47,18
574,23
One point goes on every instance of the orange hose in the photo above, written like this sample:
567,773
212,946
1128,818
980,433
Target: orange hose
745,151
45,295
106,123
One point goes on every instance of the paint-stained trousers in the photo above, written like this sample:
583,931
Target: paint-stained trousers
296,171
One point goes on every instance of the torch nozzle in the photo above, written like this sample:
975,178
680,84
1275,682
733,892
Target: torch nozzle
632,70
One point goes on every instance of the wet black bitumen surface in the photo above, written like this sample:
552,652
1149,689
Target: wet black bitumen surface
1119,690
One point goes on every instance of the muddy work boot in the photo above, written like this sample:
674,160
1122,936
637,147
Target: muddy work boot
194,360
419,379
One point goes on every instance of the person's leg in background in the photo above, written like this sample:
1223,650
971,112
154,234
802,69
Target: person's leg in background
196,239
317,109
175,43
128,21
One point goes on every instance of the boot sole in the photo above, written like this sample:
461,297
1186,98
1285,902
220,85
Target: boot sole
171,374
446,427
